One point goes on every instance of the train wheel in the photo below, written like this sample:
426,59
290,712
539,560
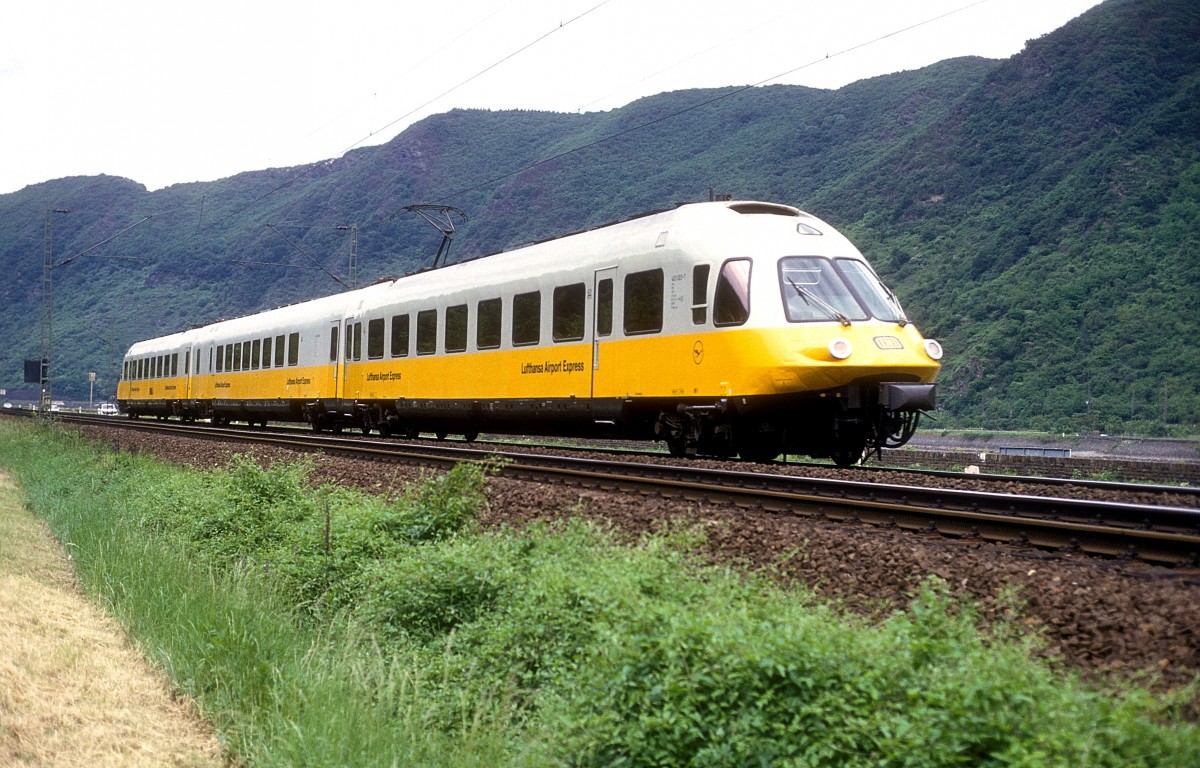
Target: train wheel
676,446
441,435
471,437
761,453
759,445
847,457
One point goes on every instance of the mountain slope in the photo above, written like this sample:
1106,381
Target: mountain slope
1040,215
1048,227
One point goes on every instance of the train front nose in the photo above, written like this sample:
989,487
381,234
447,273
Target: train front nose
814,360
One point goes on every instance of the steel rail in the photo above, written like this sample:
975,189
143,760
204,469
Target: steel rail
1154,533
982,477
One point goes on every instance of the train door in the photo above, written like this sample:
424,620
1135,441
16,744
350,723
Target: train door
350,381
602,324
190,354
353,355
337,358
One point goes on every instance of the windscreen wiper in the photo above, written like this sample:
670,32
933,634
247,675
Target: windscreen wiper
806,295
903,321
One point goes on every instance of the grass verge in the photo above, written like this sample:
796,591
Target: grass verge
323,627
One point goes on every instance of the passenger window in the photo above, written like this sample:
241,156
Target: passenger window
333,344
569,303
266,352
700,294
160,366
294,349
731,303
400,336
255,354
175,364
427,332
527,318
279,351
487,318
245,355
375,338
229,357
604,307
356,335
456,328
210,358
644,302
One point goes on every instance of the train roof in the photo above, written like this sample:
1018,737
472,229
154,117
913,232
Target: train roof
706,225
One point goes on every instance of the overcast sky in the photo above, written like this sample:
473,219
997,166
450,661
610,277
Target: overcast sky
170,91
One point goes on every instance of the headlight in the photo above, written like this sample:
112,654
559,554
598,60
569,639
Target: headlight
840,349
933,349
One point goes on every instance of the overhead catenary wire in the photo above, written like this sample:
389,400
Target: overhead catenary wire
415,67
701,104
604,139
485,70
302,169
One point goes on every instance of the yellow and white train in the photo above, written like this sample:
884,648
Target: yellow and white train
722,328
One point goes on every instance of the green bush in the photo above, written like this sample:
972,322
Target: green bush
756,678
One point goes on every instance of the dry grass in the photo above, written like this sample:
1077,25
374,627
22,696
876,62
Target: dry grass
73,691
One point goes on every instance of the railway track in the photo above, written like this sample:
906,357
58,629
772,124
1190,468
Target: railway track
1161,534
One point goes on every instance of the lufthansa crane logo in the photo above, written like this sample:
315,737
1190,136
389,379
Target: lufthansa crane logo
698,352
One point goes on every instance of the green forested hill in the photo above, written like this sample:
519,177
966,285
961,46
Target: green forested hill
1049,229
1039,215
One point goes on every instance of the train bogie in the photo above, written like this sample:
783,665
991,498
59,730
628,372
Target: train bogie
720,328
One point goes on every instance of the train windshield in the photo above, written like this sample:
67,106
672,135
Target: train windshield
846,290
